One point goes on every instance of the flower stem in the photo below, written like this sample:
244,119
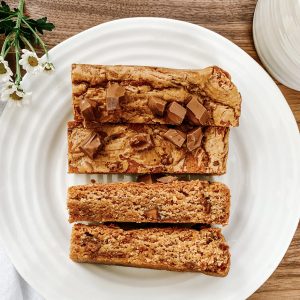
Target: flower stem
20,13
6,52
17,42
23,38
38,38
8,18
6,43
18,69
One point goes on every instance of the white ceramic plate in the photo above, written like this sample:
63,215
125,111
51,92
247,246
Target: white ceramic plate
276,27
263,169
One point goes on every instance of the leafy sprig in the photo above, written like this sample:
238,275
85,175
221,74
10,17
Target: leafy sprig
22,34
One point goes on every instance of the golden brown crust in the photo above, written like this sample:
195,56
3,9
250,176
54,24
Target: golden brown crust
173,249
119,156
212,86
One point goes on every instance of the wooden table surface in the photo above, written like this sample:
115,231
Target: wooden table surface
230,18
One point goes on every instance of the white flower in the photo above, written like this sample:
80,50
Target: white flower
5,71
14,95
30,62
7,86
48,66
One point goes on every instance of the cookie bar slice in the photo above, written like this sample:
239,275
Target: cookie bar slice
153,95
143,148
192,201
173,249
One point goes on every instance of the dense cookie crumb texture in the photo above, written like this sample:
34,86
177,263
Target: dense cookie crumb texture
174,249
171,202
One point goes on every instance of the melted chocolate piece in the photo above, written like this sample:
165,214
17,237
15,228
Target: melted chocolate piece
196,112
113,94
87,111
194,139
175,136
91,146
141,142
176,113
157,106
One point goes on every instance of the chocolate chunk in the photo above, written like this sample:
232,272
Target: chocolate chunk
152,214
146,178
141,142
157,106
167,179
175,136
166,159
223,247
176,113
114,166
196,112
194,138
87,111
207,207
113,136
91,146
113,94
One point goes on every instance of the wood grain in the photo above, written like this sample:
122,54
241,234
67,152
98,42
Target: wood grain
230,18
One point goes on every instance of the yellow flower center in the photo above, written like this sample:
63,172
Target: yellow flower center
14,96
47,68
33,61
2,69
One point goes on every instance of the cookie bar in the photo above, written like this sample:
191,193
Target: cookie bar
173,249
152,95
140,148
173,202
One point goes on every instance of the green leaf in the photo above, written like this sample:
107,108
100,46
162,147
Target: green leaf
40,25
5,11
7,26
4,6
27,27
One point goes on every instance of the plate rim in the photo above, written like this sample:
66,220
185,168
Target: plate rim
262,55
